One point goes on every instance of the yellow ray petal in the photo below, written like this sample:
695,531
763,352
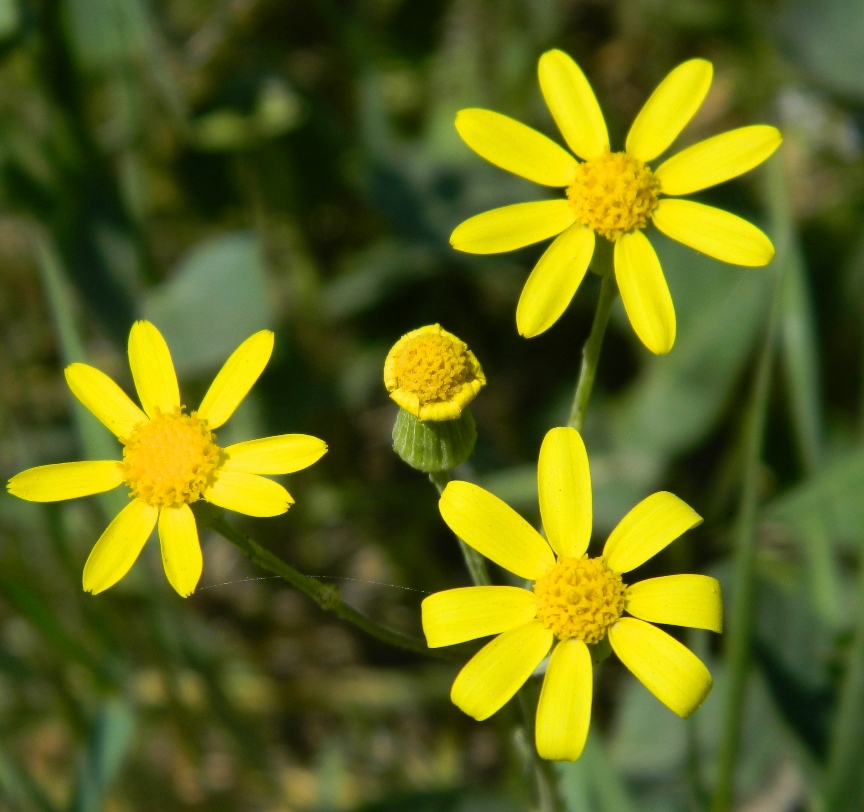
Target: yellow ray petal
181,550
655,522
65,480
554,281
507,143
491,677
236,378
673,673
457,615
714,232
669,109
573,104
679,600
512,227
717,159
108,402
564,484
152,369
564,710
495,530
119,546
248,493
644,292
282,454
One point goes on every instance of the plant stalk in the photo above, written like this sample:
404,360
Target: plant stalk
474,562
325,595
591,350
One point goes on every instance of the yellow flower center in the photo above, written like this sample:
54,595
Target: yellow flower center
432,366
579,597
170,459
614,193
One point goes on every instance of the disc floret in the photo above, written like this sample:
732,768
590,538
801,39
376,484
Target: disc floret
614,194
579,597
170,459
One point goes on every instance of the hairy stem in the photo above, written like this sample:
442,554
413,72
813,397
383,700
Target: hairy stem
591,350
474,562
325,595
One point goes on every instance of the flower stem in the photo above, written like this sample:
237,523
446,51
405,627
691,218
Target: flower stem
545,780
740,625
326,596
544,775
474,562
591,350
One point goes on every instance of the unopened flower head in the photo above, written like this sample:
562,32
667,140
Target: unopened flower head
432,374
170,459
575,600
613,195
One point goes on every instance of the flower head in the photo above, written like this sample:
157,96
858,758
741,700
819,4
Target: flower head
613,195
431,374
575,600
170,459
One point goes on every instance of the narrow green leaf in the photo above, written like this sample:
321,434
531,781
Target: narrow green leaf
18,791
96,441
106,751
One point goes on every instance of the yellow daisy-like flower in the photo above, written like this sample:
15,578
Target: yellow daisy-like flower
432,374
613,194
170,459
576,599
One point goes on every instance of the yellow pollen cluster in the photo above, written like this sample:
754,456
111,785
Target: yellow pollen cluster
614,193
433,367
170,459
579,597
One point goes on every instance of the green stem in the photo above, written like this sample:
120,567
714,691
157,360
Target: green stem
740,625
545,780
474,562
326,596
591,350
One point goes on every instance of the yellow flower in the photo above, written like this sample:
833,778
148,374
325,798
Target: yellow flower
170,459
613,194
432,374
576,599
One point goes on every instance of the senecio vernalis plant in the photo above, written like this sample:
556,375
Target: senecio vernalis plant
170,459
575,601
562,604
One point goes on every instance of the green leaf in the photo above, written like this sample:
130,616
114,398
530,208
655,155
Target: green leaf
825,40
215,300
18,791
678,398
593,783
97,441
106,34
106,751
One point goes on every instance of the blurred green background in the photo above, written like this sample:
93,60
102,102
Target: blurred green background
220,167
